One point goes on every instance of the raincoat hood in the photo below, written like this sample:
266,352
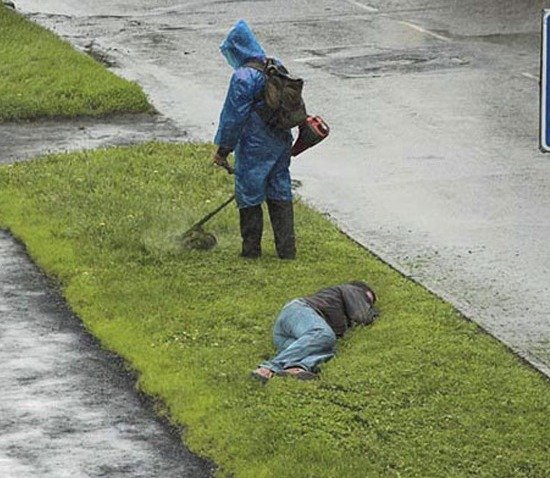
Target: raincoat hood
241,45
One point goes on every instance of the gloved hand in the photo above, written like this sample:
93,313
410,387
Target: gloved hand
220,159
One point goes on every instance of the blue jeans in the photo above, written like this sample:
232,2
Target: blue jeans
302,337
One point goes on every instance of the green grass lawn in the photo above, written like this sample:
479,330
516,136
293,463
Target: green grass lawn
422,392
43,76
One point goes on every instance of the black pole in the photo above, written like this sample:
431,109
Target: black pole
209,215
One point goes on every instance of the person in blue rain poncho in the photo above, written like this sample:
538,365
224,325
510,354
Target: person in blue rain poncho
262,154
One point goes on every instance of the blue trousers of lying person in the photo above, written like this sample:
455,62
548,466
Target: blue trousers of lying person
302,337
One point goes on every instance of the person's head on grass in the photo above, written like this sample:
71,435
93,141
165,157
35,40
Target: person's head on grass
368,291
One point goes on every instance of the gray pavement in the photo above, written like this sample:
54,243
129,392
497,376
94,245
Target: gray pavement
67,407
433,160
25,140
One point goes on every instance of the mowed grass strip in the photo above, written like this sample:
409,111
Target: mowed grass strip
422,392
42,76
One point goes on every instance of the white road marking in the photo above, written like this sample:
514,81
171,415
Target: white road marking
368,8
423,30
532,77
307,59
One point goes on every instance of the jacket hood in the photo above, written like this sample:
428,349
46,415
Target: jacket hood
241,45
363,285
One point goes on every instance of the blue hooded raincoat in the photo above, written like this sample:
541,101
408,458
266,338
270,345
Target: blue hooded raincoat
262,155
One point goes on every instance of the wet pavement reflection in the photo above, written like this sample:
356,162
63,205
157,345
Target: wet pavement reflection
68,408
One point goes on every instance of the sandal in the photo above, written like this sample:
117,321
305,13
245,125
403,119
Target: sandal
299,373
262,377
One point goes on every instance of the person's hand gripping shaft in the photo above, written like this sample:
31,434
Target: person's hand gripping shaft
220,159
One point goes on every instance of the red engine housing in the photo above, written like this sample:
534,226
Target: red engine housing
312,131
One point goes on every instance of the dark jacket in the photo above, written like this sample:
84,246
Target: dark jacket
344,306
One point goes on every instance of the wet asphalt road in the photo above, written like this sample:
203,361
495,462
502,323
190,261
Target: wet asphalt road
67,407
25,140
433,160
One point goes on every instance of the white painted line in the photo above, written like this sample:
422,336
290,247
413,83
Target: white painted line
532,77
368,8
423,30
308,58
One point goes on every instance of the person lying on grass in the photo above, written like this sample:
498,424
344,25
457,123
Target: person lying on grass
306,329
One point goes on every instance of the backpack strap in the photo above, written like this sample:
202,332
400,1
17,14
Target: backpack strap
271,70
257,65
261,67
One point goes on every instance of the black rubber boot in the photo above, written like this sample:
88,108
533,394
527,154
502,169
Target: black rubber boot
252,224
281,214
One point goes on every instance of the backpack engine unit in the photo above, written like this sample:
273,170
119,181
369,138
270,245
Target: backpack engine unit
284,108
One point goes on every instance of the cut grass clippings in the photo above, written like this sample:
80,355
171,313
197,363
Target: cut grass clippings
422,392
42,76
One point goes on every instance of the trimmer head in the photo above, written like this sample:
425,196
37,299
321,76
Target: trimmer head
198,239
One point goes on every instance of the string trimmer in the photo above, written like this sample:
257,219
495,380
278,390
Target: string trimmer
196,237
311,132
